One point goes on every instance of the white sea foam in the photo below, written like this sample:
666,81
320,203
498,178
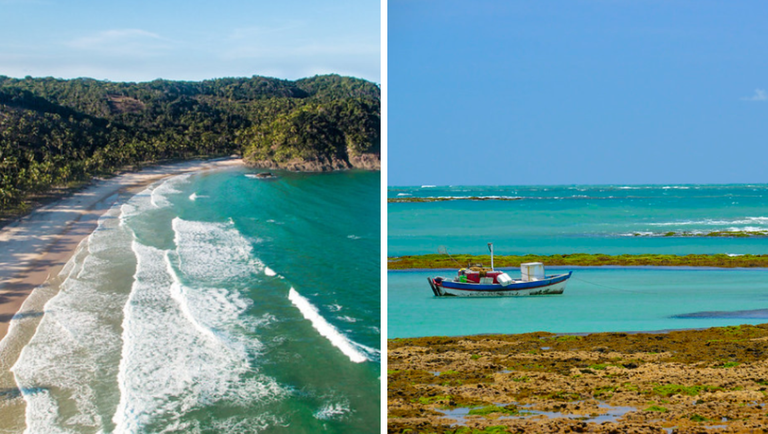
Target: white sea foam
193,197
334,307
346,318
137,206
333,410
159,194
310,312
269,272
713,222
185,345
404,194
747,229
353,237
214,252
639,234
180,350
76,347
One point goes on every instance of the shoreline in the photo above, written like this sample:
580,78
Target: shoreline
34,248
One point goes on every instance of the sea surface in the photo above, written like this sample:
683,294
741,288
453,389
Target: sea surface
613,219
217,302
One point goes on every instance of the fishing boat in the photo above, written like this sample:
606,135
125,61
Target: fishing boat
479,281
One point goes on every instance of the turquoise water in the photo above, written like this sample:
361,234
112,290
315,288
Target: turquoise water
595,300
580,219
592,219
217,302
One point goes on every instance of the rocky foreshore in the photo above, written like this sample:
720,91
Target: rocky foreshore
692,381
581,260
322,164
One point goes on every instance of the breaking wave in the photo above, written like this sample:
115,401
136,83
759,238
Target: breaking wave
355,352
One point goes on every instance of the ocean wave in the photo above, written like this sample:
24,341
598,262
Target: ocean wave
746,229
179,350
640,234
72,352
337,409
213,252
727,232
714,222
351,349
160,192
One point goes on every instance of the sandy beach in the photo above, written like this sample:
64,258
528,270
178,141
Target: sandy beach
36,247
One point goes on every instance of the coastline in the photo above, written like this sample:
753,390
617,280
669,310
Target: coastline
103,361
34,248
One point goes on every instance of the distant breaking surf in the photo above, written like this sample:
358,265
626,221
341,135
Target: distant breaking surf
328,331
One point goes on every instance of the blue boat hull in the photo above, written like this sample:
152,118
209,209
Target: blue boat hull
550,285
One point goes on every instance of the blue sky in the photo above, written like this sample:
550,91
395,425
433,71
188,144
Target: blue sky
189,40
577,92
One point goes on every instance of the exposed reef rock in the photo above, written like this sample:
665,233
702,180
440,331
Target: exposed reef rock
695,381
322,164
581,259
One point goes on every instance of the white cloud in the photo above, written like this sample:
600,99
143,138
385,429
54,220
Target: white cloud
760,95
122,42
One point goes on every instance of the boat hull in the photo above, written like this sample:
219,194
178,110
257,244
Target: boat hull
550,285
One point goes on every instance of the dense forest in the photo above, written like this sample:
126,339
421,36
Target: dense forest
57,133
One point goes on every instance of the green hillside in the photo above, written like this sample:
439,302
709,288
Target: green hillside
56,133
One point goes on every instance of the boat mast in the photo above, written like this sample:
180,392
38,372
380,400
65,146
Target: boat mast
490,247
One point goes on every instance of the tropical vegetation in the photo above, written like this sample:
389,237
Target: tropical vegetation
59,133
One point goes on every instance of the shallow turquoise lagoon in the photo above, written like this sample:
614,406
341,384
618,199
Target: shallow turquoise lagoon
608,219
595,300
